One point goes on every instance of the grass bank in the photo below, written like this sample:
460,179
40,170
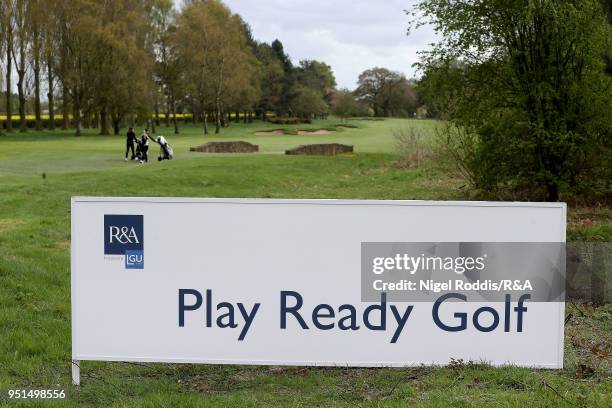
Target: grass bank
39,172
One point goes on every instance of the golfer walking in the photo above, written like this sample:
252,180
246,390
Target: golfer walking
129,144
144,146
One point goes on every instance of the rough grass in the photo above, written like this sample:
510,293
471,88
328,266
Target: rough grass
40,172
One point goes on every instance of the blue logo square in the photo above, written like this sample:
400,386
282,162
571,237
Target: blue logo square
122,233
134,259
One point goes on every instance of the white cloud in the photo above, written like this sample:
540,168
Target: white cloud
349,35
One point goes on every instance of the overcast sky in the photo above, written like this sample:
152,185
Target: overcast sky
349,35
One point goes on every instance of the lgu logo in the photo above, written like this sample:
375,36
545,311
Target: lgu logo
123,235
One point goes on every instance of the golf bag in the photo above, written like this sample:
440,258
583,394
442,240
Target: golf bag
166,152
139,153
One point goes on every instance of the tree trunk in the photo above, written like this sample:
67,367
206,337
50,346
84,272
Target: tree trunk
51,125
217,122
37,112
218,97
176,129
9,70
64,107
21,71
552,192
205,116
167,113
116,125
77,113
103,122
237,118
244,118
23,123
250,119
156,114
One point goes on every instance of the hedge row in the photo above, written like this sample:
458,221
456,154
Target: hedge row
45,121
289,121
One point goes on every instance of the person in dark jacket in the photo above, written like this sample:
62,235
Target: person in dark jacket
144,146
131,138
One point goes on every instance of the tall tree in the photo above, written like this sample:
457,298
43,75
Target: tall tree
532,94
307,103
50,33
76,66
213,49
35,16
271,79
7,11
122,81
289,81
345,105
167,69
317,75
20,57
388,93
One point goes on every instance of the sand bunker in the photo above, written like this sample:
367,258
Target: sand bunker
330,149
226,147
270,132
316,132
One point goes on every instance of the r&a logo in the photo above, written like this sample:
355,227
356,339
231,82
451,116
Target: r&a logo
123,235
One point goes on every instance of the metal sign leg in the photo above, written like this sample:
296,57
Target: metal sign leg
76,372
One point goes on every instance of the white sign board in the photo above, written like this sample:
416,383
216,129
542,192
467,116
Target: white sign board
243,281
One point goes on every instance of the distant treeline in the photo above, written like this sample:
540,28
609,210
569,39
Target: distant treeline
108,64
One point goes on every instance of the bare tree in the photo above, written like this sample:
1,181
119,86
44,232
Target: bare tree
8,7
20,57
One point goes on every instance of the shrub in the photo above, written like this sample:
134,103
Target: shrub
412,147
289,121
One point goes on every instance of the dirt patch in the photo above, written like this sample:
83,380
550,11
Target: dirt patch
7,224
326,149
270,132
316,132
226,147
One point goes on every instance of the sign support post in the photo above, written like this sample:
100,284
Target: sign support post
76,372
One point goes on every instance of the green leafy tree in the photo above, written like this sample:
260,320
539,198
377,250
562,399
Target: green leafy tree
271,76
168,73
345,105
317,75
386,92
215,56
530,91
123,77
289,89
308,103
77,63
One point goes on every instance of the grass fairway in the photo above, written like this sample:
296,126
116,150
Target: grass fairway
40,172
